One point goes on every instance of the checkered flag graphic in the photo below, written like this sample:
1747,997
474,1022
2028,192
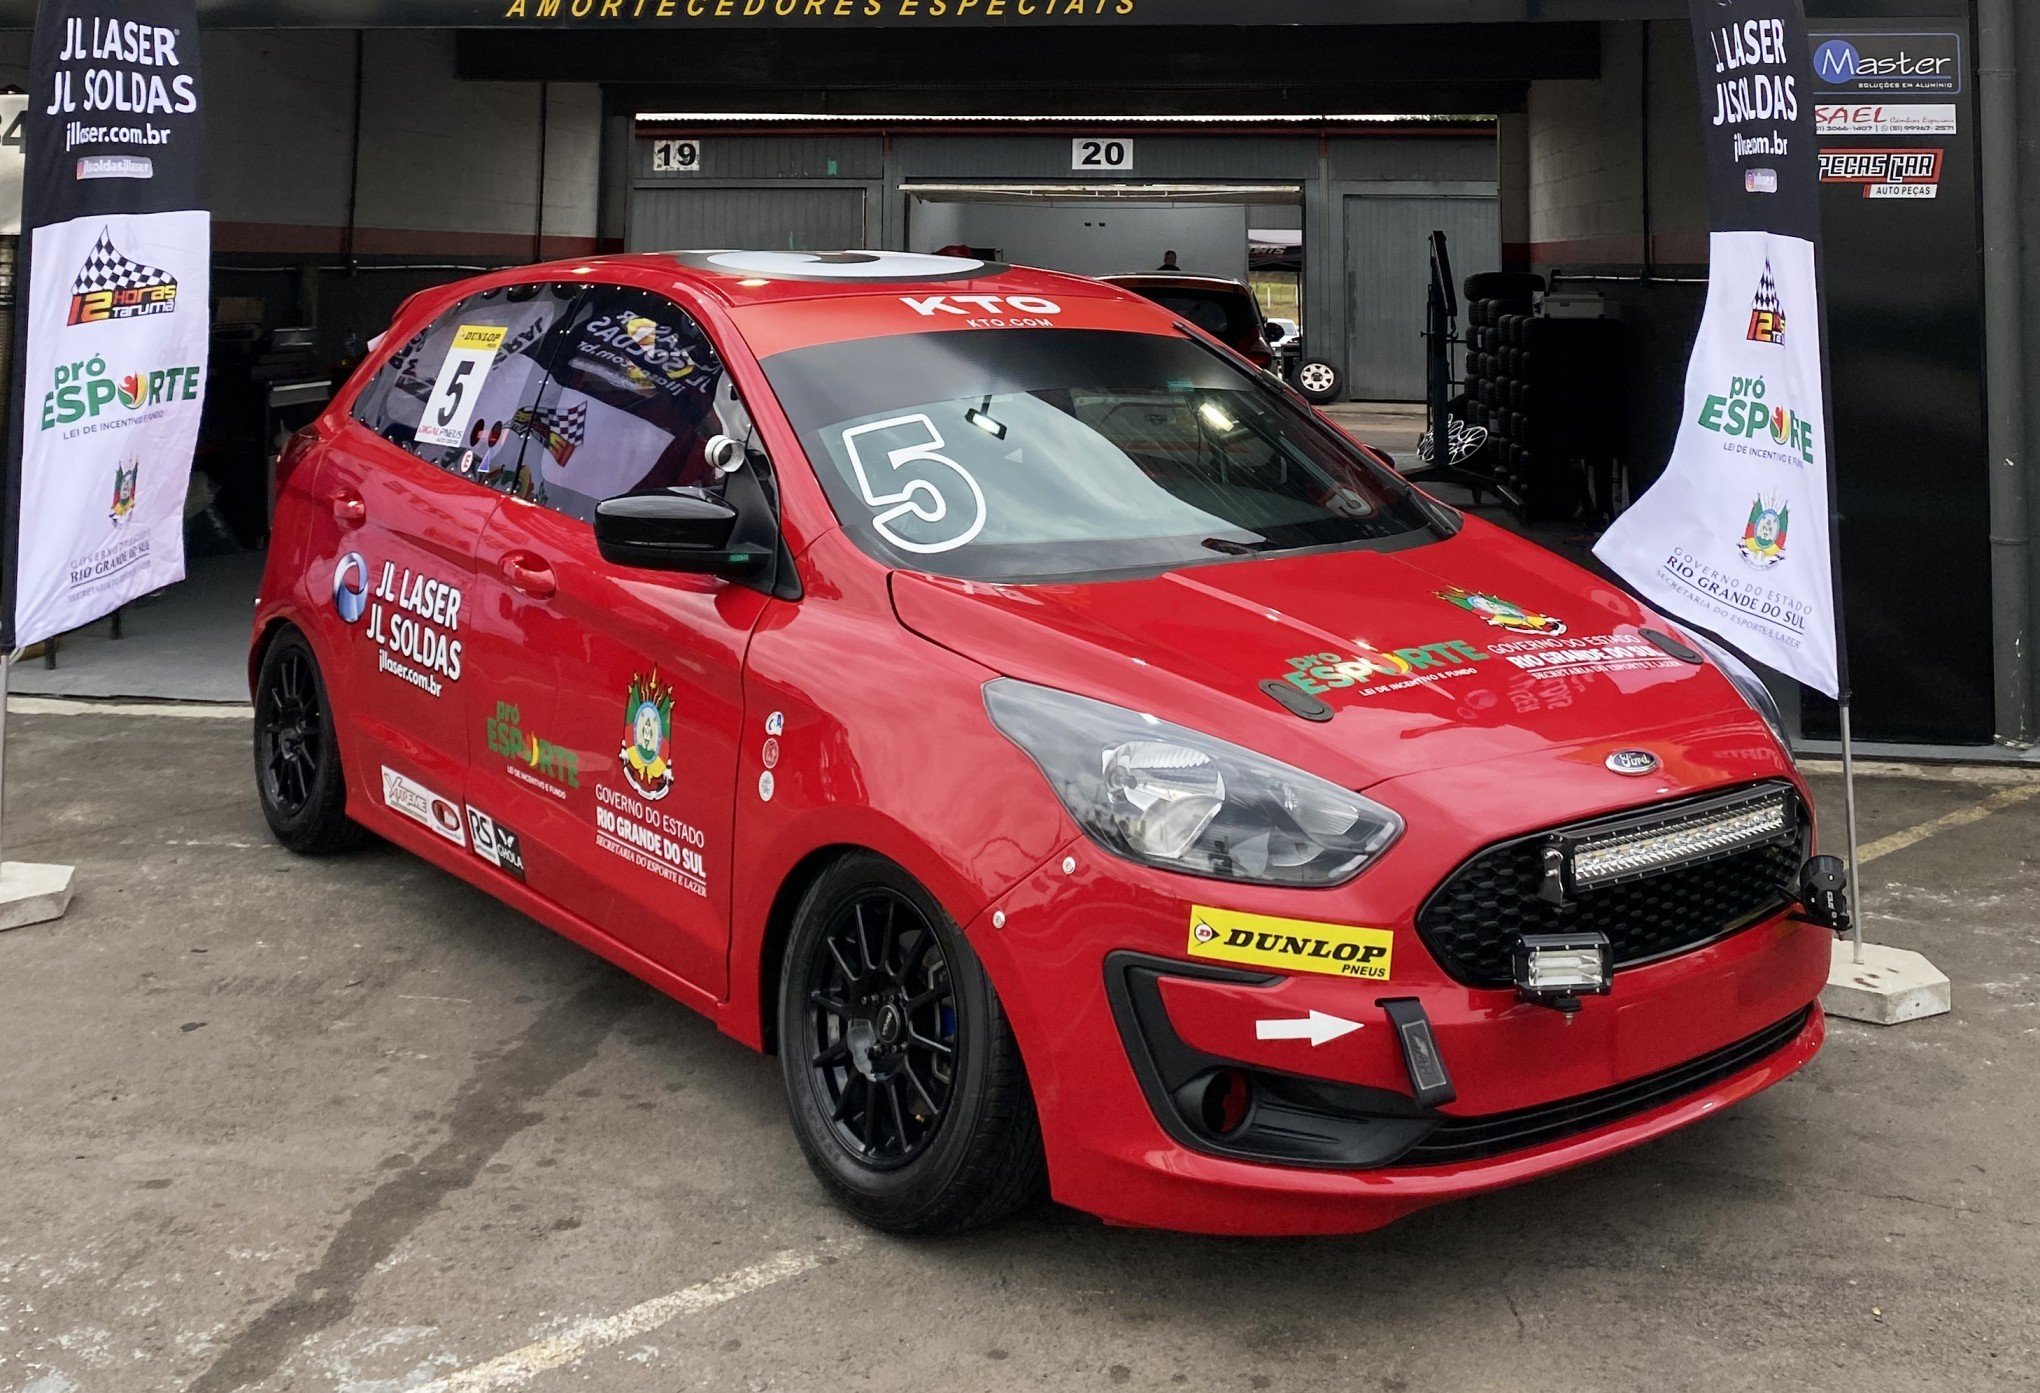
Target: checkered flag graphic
572,426
106,269
1767,291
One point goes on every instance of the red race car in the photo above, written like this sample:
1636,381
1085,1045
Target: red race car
1082,765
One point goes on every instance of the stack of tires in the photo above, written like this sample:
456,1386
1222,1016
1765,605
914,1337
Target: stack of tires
1500,311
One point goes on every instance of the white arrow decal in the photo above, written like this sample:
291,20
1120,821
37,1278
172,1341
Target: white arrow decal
1318,1028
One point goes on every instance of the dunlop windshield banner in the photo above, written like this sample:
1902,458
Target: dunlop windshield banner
1735,535
111,351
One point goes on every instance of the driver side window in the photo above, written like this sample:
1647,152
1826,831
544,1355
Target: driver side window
635,393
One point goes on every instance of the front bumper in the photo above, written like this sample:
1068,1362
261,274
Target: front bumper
1537,1092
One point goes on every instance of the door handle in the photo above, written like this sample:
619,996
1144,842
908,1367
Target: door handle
528,574
348,509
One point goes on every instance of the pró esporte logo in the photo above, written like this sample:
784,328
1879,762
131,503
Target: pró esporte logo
113,286
85,391
1886,173
1744,413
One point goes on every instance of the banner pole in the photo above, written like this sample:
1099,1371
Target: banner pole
1849,812
6,671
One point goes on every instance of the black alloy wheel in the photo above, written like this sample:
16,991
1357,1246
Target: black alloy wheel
290,733
903,1080
297,758
884,1026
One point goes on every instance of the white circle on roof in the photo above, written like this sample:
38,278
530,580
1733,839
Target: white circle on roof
848,266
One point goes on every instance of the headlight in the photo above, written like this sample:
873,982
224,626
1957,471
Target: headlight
1748,683
1172,798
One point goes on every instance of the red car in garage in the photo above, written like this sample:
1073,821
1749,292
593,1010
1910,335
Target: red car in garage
1082,765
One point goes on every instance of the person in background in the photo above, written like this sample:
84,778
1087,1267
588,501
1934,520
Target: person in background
1168,262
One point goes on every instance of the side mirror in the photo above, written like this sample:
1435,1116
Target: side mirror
682,529
1273,332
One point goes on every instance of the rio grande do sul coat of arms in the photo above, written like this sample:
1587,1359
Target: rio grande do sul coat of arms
124,479
647,754
1502,614
1763,539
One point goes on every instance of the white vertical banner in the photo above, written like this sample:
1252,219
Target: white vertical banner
110,349
1736,535
115,373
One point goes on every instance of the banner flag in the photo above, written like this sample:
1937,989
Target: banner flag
110,352
1736,535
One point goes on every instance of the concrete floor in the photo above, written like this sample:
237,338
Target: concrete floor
349,1125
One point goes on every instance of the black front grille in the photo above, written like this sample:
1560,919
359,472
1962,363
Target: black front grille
1460,1139
1472,921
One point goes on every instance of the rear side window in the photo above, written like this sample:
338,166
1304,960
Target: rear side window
1226,317
453,394
635,393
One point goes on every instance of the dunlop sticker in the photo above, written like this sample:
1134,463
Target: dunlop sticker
1290,945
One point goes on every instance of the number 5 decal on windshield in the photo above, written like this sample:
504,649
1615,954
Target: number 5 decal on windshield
911,480
452,403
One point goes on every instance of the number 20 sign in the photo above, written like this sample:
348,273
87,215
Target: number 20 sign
1094,153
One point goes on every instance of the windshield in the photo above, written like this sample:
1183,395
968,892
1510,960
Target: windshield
1012,455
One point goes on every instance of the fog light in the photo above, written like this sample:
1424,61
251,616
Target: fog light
1552,967
1227,1096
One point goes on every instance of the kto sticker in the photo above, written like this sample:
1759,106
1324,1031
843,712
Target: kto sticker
1290,945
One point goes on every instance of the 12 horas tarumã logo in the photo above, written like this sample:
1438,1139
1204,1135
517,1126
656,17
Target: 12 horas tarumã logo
113,286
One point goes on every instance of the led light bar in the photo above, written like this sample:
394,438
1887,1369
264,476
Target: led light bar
1560,965
1647,846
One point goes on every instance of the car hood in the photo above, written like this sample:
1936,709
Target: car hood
1475,648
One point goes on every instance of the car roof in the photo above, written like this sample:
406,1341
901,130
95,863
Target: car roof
1169,280
740,277
784,300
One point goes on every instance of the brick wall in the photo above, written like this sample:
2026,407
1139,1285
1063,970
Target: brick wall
1594,147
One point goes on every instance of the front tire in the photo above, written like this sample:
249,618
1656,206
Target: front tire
902,1076
297,758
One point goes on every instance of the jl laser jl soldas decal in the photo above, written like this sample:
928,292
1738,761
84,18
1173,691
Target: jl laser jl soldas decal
412,619
1290,945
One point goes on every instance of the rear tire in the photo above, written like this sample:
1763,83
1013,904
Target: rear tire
1320,382
903,1079
297,759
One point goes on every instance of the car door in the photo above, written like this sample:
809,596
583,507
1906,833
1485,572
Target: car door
404,484
615,778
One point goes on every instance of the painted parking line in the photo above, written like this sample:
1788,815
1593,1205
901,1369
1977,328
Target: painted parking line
1962,817
520,1366
182,710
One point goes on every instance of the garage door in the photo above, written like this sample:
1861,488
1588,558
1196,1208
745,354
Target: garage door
782,219
1388,271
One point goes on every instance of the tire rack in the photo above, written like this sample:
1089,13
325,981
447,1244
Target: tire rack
1550,393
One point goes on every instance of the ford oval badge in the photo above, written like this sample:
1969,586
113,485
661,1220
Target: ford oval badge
1634,763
